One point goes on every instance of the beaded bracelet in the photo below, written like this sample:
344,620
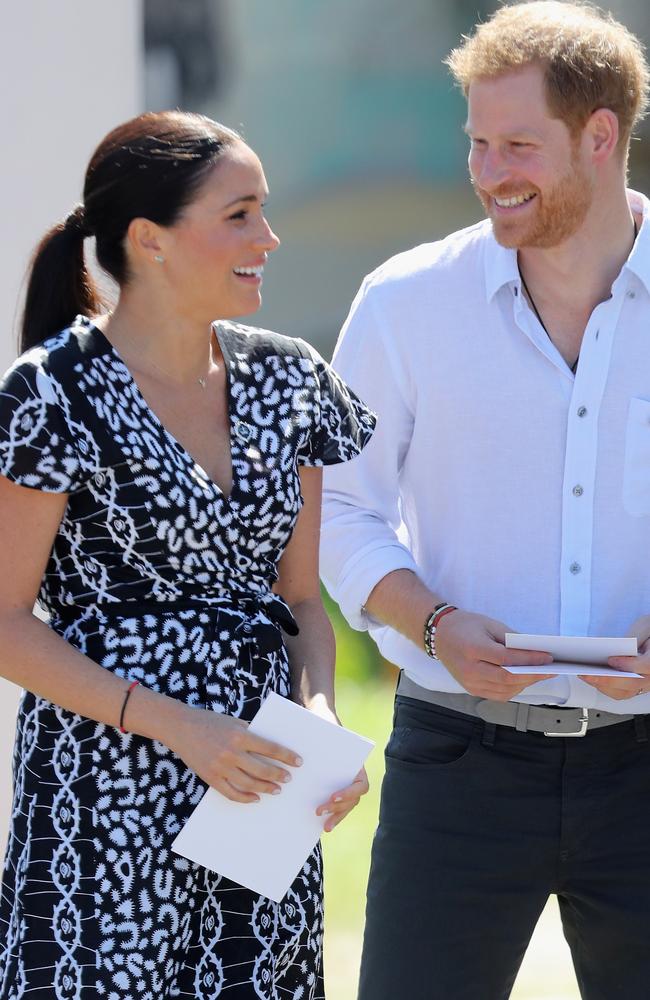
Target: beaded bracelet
133,685
431,624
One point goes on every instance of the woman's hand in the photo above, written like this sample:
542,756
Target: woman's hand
341,803
227,756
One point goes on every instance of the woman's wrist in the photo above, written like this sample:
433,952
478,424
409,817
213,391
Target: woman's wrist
155,716
321,704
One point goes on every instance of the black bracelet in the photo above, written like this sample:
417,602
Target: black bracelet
431,625
133,685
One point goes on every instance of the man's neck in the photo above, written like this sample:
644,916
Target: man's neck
579,273
567,282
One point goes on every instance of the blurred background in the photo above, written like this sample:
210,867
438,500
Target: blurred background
358,126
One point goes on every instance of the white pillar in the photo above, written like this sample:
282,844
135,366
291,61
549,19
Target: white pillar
69,71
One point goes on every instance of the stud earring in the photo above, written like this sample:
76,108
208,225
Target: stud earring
159,259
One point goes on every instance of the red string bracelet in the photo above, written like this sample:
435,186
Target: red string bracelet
133,685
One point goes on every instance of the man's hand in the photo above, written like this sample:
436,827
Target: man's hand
473,650
628,687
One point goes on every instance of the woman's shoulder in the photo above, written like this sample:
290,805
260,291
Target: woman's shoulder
53,357
257,343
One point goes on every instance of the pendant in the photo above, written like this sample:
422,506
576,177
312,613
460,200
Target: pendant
202,379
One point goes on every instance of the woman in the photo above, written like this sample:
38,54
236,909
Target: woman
159,487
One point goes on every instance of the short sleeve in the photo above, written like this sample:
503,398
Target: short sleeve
342,424
36,445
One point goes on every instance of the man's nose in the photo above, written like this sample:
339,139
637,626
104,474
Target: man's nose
491,170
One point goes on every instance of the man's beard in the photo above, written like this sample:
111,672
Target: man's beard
559,212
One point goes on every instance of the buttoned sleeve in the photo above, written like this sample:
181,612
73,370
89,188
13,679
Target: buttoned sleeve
360,535
342,424
36,444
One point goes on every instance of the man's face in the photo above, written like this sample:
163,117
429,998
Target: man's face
528,171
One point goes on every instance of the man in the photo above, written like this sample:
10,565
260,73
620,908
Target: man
507,488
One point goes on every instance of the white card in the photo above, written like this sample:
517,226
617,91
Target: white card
263,845
574,654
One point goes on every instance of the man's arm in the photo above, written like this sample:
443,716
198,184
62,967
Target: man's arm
471,647
364,564
361,516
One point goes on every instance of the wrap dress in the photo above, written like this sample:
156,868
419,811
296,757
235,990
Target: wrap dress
157,576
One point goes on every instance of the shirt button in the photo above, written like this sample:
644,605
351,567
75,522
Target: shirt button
119,523
100,479
83,447
631,295
582,411
578,491
575,568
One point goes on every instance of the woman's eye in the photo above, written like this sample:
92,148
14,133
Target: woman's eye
239,215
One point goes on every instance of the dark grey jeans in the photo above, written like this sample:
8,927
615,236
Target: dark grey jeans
478,826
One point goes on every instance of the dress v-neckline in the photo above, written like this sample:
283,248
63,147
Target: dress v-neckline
198,473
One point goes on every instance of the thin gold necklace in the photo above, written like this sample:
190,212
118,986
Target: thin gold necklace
201,379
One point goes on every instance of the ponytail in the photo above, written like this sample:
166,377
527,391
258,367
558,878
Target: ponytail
59,284
150,167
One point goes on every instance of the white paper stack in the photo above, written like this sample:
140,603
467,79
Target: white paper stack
574,654
263,845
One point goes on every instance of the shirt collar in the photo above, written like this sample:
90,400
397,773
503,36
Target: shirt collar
500,265
639,260
501,262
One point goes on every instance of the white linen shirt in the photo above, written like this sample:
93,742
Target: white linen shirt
512,487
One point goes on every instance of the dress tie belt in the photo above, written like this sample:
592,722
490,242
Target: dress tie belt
267,635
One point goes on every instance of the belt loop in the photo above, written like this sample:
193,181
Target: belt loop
521,725
641,728
489,734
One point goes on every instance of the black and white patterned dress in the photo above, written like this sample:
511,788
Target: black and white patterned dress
158,576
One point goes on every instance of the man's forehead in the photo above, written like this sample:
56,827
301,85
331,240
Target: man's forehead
516,99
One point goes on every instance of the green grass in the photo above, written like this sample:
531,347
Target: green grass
367,708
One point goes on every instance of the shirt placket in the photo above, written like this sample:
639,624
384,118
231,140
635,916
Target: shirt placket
580,466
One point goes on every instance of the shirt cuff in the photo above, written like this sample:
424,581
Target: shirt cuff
361,575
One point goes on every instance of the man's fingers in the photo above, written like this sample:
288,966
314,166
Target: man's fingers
639,664
619,690
524,657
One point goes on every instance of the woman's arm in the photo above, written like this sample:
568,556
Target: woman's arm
312,653
218,748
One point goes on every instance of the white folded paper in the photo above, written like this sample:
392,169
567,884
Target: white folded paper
574,654
263,845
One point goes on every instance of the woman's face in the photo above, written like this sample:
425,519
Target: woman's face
214,254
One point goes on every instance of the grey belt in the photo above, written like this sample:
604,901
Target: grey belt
525,718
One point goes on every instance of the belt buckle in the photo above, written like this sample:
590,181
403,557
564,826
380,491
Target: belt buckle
584,722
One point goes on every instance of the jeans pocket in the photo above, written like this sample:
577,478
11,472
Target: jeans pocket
428,747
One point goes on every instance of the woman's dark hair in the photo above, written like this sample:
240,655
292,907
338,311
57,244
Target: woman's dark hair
149,167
